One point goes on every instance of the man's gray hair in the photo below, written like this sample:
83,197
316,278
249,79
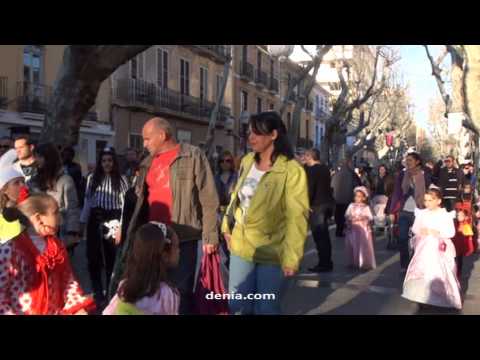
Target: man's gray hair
164,125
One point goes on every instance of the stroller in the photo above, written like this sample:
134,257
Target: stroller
382,222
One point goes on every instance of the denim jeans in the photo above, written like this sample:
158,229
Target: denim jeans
405,222
257,279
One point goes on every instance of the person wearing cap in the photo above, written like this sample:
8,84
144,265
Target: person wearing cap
11,181
450,182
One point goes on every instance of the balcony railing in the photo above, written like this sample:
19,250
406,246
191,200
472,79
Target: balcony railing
246,70
139,93
274,85
216,52
3,92
33,98
261,78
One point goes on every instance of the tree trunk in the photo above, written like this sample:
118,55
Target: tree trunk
84,69
209,148
471,83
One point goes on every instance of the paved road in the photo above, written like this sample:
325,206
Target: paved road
349,292
376,292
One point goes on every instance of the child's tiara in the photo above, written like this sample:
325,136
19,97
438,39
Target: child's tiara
162,227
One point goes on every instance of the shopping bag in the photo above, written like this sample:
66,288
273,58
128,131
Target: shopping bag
209,284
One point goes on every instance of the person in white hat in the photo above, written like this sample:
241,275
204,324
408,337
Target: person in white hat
11,181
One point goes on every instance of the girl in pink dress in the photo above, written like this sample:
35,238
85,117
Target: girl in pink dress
358,238
432,274
145,289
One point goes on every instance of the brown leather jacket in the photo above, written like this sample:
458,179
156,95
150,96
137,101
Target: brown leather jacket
195,199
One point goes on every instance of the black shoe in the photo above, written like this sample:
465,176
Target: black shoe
321,269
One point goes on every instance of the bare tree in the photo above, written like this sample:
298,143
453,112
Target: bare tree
307,77
83,70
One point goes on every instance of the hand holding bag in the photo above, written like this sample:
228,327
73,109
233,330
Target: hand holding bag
210,283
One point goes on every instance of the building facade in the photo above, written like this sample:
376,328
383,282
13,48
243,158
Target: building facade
27,75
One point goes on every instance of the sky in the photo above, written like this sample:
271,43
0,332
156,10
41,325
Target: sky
417,73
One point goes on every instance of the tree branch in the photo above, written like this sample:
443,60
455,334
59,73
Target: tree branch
437,73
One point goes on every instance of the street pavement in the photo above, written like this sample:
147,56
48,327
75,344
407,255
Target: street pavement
348,292
377,292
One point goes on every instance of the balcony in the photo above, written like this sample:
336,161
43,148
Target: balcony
274,87
33,98
142,94
217,53
246,71
261,78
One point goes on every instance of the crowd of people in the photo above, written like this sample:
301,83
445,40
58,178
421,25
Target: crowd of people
143,222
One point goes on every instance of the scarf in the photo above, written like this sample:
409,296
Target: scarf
50,264
416,178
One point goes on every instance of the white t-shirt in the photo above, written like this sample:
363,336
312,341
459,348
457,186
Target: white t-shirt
249,188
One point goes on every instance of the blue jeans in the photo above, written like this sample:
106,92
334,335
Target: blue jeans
405,222
251,278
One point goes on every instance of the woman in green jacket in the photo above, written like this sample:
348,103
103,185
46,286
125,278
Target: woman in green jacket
265,224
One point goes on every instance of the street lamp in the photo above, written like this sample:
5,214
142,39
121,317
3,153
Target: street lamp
281,51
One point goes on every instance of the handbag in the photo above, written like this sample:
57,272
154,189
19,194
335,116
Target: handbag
209,284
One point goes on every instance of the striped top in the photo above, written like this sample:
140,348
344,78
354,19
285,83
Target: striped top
104,196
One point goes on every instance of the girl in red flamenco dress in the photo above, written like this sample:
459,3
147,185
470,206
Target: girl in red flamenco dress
36,277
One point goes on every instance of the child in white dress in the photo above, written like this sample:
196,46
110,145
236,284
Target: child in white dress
432,274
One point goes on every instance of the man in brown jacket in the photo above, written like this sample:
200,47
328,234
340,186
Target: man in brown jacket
175,186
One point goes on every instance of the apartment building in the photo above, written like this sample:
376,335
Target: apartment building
256,87
177,82
27,75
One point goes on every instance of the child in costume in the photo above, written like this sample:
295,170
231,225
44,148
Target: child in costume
145,289
463,239
358,237
432,274
35,273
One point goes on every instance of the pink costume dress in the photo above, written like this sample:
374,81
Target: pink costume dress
165,302
358,237
432,274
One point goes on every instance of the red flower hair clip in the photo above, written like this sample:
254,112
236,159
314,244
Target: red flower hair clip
23,195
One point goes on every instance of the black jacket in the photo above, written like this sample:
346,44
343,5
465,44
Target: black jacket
319,185
450,182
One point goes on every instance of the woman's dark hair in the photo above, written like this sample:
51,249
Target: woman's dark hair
48,174
146,267
223,156
98,174
416,157
314,153
264,124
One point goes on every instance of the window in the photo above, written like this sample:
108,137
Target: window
184,77
162,69
244,101
259,105
259,60
245,53
137,67
203,84
32,63
136,141
184,136
272,69
219,84
272,106
100,146
289,120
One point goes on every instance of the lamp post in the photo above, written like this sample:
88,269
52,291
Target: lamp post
281,51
